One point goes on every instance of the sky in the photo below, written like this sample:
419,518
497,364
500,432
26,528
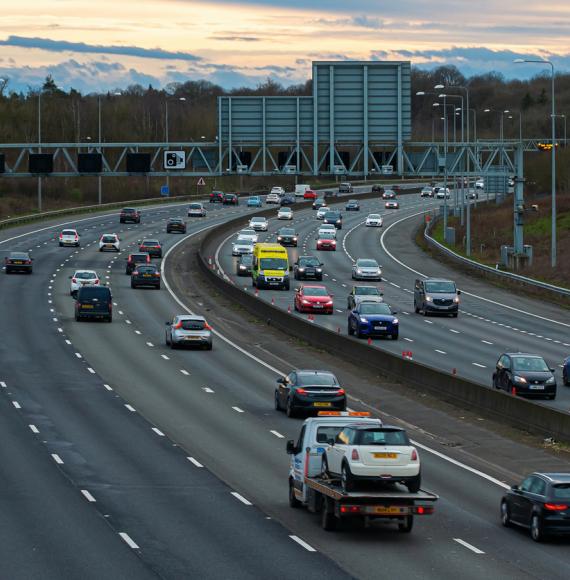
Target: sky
104,45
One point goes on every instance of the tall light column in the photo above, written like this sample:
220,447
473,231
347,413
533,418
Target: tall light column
166,128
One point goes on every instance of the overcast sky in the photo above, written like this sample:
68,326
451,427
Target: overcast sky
107,44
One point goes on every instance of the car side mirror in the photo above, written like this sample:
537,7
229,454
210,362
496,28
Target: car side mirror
331,295
280,380
394,312
291,447
552,370
168,323
70,277
515,488
296,289
321,264
458,292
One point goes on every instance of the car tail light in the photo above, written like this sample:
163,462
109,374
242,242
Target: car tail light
350,509
28,261
74,280
207,327
555,507
423,510
135,272
355,456
61,236
178,325
302,391
341,392
414,455
96,281
76,237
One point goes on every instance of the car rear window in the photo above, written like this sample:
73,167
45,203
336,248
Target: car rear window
381,437
68,233
85,275
90,292
150,243
193,324
19,256
129,210
195,206
366,291
561,491
109,239
317,379
148,269
139,257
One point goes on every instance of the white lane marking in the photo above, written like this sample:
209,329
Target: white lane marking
428,321
238,410
277,434
207,389
2,384
185,372
129,541
54,319
454,331
395,285
108,387
479,365
464,291
307,547
88,496
138,332
165,357
57,458
440,351
60,329
149,344
158,432
468,546
128,321
91,370
78,355
34,429
121,312
130,408
194,461
241,498
16,404
486,341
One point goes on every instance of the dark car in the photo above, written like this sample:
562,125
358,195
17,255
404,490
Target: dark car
244,265
287,237
334,218
370,319
540,503
146,275
319,202
152,247
389,194
566,372
524,374
216,197
309,391
436,296
134,259
377,188
175,225
288,199
94,302
230,199
352,205
130,214
18,262
308,268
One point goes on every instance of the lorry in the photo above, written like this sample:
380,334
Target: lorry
310,487
270,267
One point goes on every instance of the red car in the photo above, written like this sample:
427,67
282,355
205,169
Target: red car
151,247
130,214
313,298
309,194
326,242
216,197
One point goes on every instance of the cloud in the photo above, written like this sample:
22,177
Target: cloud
81,47
237,38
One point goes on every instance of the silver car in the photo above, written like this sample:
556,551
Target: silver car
196,210
366,269
240,247
258,224
188,330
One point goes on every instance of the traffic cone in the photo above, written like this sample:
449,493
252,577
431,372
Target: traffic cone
514,391
273,301
257,291
454,371
369,340
338,329
289,309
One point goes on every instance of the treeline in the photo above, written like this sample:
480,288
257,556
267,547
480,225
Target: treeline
137,113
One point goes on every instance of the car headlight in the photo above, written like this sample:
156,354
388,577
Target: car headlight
395,321
295,239
329,303
338,221
318,269
261,273
301,269
279,238
456,300
362,319
520,380
358,271
429,299
241,267
305,301
550,381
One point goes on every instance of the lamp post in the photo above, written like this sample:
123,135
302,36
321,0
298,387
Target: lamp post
563,117
520,123
166,100
553,155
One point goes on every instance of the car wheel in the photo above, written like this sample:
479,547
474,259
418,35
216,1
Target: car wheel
293,501
407,525
414,484
158,287
210,346
495,384
505,515
358,333
346,478
253,282
395,336
287,286
350,330
329,521
166,340
290,410
276,401
110,318
77,318
132,285
536,529
416,309
455,315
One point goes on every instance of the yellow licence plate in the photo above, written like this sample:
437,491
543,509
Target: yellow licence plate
147,275
109,246
322,404
387,510
18,262
87,306
385,455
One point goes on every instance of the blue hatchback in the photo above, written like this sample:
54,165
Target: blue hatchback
254,201
373,319
566,372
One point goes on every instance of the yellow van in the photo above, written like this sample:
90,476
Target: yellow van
270,266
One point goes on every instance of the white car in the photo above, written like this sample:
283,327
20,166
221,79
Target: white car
322,211
328,229
285,213
272,198
443,192
248,235
258,224
300,189
83,278
278,190
374,220
109,242
366,269
363,452
69,238
240,247
480,184
196,210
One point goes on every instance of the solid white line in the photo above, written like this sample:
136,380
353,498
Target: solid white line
241,498
165,357
468,546
194,461
479,365
185,372
307,547
16,404
91,370
108,387
207,389
158,432
277,434
454,331
57,458
34,429
130,408
88,496
238,409
129,541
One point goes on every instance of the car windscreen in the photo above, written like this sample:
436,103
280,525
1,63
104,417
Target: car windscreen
374,216
374,308
139,257
90,292
332,215
441,287
561,491
315,292
381,437
309,262
109,239
326,235
352,201
316,379
246,259
258,220
18,256
273,264
529,363
85,275
366,291
367,264
286,232
241,240
147,269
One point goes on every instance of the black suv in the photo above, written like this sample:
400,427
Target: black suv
334,218
130,214
94,302
287,237
175,225
308,268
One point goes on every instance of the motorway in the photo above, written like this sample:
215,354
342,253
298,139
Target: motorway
491,321
132,460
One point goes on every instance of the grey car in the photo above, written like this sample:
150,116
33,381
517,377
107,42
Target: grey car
366,269
436,296
188,330
360,294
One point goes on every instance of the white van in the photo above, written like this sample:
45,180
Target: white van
300,189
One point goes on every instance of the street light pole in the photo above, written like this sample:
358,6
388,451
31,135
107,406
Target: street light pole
99,182
40,147
167,140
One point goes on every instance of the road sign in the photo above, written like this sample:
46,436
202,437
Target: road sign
164,190
201,182
174,160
